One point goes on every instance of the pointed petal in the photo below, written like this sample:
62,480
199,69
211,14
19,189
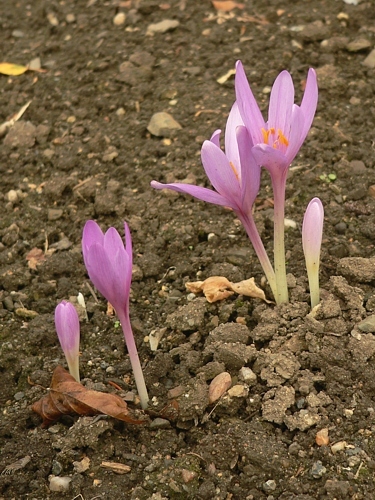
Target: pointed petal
231,146
281,102
270,158
247,105
67,327
199,192
295,137
106,279
309,101
113,244
250,170
91,234
215,138
220,172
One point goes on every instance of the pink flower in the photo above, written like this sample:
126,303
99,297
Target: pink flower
277,141
67,328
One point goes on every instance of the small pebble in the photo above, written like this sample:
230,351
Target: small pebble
219,385
269,485
61,484
119,19
318,470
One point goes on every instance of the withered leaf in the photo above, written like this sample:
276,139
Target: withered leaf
218,288
35,257
68,397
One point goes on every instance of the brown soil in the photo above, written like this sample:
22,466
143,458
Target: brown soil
82,151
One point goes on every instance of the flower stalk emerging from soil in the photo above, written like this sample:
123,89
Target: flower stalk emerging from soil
235,176
312,233
109,265
276,143
68,332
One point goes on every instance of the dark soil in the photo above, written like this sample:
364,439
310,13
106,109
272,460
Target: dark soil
82,151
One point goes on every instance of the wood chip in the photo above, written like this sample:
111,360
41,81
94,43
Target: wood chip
116,467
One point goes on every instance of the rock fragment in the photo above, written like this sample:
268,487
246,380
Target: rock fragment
163,125
162,27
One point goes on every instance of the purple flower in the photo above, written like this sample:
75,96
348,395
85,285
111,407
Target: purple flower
312,233
277,141
67,328
109,264
235,176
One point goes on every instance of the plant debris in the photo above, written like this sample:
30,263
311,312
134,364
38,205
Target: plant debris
68,397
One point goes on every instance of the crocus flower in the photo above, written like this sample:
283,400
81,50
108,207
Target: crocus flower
276,143
235,177
67,328
109,265
312,232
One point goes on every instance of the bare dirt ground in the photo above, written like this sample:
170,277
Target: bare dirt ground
82,151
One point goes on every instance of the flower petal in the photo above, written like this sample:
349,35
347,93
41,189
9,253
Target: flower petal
247,105
222,175
109,281
250,170
281,102
231,146
113,244
309,102
295,138
91,234
199,192
215,138
270,158
312,231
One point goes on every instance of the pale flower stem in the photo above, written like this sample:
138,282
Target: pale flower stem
279,244
253,234
313,275
134,359
73,365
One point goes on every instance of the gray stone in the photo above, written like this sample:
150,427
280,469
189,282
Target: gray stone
358,45
163,26
367,325
273,410
22,134
370,60
163,124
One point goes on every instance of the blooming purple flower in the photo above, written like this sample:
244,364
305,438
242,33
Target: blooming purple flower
235,176
277,141
67,328
312,233
109,264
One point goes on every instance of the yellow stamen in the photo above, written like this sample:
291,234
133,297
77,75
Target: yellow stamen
265,134
281,138
234,170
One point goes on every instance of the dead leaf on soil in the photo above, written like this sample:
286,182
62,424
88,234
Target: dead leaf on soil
68,397
219,288
35,257
11,69
226,5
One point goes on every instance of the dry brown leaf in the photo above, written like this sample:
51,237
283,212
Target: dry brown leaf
218,288
249,288
226,5
68,397
214,288
35,257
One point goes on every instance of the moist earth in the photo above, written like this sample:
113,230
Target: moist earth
298,421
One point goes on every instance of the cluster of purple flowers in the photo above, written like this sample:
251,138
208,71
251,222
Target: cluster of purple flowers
250,144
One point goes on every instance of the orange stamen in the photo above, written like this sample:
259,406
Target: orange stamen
234,170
